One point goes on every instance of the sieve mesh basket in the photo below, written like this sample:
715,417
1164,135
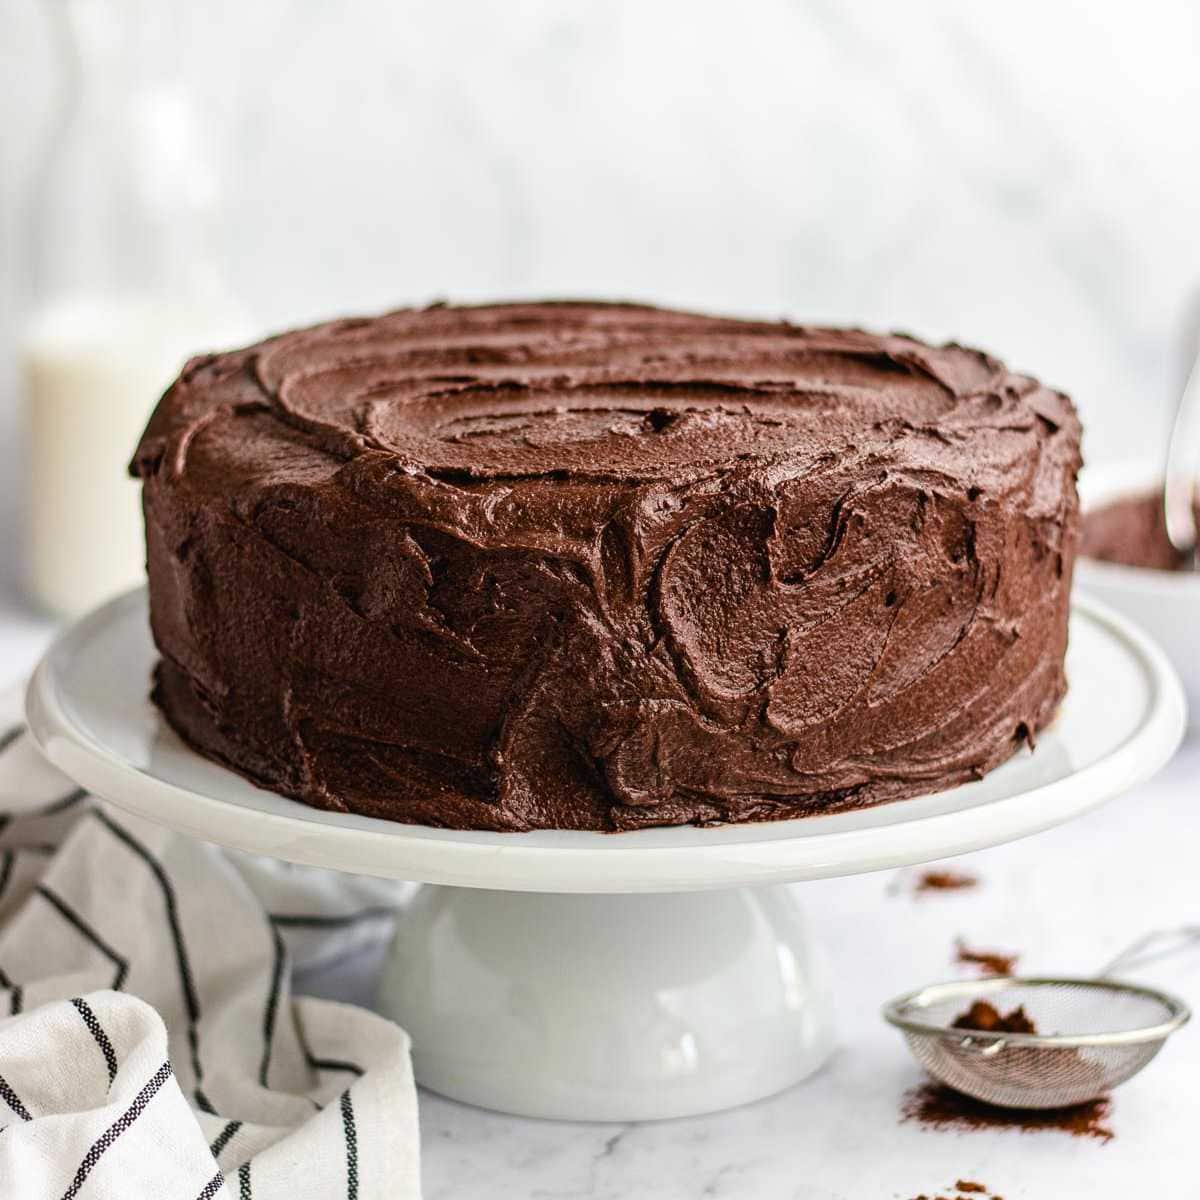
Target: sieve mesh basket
1092,1035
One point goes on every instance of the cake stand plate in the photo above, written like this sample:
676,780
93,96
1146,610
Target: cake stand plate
659,973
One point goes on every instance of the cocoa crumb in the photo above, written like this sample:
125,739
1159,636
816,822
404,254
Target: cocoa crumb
988,1019
962,1187
944,881
936,1106
989,962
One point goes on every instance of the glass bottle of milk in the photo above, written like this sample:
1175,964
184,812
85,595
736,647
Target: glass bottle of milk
122,289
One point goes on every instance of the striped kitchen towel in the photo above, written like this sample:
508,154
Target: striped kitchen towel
150,1045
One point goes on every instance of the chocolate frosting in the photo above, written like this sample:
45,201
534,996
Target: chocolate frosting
602,566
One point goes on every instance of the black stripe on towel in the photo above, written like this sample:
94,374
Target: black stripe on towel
187,981
6,866
16,995
55,806
69,914
48,810
272,1008
323,1064
106,1047
351,1147
212,1187
333,1064
331,920
9,736
13,1100
224,1138
244,1181
117,1128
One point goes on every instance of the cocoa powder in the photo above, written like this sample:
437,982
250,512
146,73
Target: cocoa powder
963,1187
944,881
936,1106
989,962
988,1019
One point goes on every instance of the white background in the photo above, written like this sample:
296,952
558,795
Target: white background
1021,175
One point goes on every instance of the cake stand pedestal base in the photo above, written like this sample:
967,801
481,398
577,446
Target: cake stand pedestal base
608,1007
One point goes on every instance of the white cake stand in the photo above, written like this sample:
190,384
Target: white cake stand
605,976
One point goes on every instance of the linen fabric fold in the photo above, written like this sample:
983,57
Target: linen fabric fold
150,1044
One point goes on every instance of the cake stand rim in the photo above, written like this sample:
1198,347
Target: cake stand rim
594,862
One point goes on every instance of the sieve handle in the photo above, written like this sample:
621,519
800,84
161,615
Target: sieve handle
1167,941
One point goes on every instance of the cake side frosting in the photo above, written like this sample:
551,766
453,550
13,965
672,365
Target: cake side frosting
606,566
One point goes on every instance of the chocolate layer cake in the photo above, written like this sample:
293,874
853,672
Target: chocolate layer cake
596,566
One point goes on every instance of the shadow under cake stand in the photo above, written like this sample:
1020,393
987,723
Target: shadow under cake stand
592,976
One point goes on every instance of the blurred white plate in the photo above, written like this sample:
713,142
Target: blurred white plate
1166,604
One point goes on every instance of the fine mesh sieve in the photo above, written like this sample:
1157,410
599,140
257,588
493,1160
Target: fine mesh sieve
1097,1032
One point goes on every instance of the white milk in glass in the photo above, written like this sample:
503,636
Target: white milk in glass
93,371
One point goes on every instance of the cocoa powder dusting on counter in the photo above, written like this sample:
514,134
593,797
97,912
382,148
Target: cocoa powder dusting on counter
944,881
989,962
963,1187
936,1106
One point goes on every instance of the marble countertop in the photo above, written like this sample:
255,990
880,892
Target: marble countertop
1066,901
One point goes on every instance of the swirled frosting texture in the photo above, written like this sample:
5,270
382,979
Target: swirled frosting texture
605,566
